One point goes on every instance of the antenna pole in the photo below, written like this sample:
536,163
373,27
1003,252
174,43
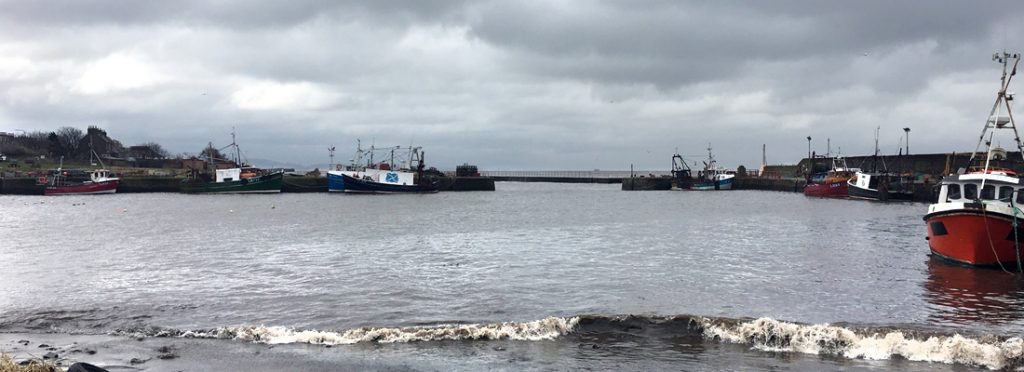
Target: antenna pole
331,165
1001,97
238,152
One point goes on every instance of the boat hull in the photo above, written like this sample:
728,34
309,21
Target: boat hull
827,190
102,187
256,185
349,184
862,193
725,184
973,237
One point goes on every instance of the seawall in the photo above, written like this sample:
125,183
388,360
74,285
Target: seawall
923,192
20,186
149,184
770,184
646,183
557,179
28,186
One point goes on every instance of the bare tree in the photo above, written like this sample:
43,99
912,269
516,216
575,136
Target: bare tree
38,136
157,149
69,139
211,151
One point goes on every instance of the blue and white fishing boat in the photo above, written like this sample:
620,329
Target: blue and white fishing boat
713,177
384,176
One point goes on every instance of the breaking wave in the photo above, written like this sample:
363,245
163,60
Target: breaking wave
773,335
544,329
766,334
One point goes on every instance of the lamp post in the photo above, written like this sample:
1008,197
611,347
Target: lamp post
908,139
808,147
810,164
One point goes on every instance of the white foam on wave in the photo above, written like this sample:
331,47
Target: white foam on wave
773,335
544,329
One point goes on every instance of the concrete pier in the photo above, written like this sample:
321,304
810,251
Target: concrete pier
646,183
20,186
770,184
149,184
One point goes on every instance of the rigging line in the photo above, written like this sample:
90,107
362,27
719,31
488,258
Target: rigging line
984,217
1016,241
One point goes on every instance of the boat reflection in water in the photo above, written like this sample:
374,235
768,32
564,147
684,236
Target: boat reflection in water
964,294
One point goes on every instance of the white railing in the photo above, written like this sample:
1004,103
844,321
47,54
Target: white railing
573,174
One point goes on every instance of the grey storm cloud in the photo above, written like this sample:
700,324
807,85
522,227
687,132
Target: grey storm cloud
509,85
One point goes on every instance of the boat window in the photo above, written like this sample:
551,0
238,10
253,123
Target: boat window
970,191
988,192
1020,196
954,192
873,183
1005,193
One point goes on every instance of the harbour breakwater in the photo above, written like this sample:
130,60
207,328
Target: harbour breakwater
29,185
923,192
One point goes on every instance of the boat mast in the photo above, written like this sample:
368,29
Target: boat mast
711,160
211,163
1002,100
331,165
874,158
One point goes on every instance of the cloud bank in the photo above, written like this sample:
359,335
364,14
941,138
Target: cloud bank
509,85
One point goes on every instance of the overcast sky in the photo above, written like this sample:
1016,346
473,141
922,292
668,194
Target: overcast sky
510,84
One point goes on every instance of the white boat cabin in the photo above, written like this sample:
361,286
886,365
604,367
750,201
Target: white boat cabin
101,175
387,176
865,181
390,177
228,175
999,186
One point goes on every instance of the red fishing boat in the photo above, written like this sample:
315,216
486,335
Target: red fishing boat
100,181
834,183
977,218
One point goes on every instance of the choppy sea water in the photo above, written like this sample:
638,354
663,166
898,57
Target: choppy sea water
531,276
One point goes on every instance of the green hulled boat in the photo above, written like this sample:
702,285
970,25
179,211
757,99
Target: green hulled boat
255,184
237,179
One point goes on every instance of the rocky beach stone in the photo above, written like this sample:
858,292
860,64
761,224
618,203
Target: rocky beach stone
85,367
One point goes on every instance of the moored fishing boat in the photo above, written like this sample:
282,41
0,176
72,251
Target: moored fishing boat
682,178
384,176
101,181
877,183
976,218
713,177
235,179
880,186
834,182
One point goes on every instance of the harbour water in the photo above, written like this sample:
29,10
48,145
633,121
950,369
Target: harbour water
531,276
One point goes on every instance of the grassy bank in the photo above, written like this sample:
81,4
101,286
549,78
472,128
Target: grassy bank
8,364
